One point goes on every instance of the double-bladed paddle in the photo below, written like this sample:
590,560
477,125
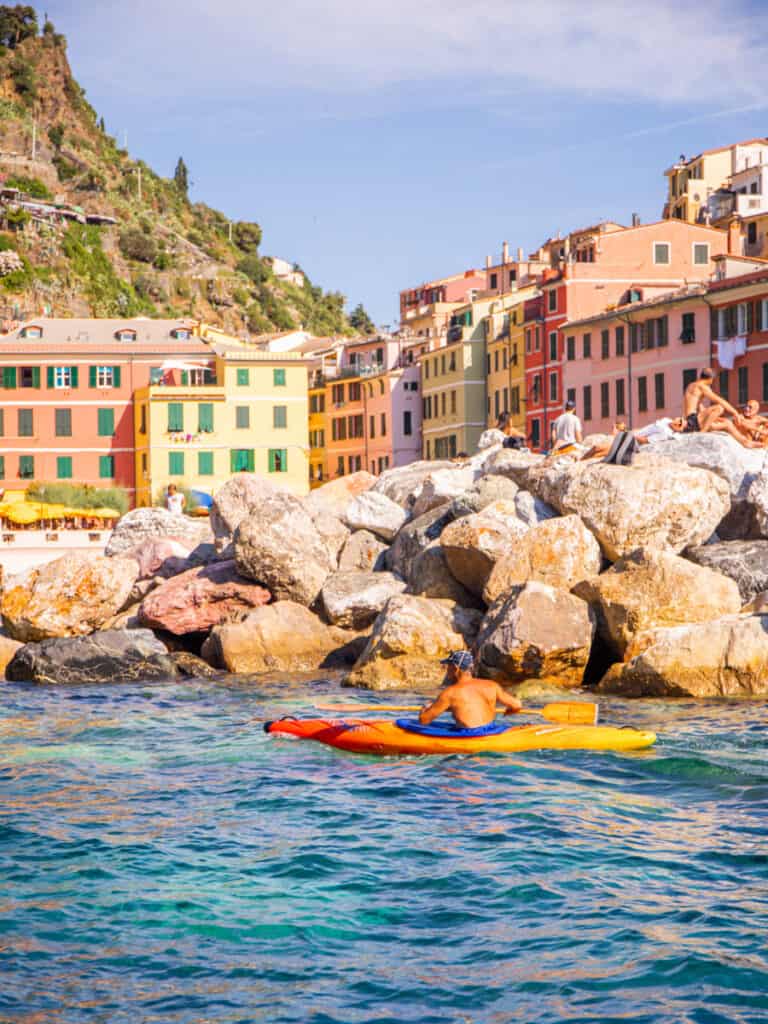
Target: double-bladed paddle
568,712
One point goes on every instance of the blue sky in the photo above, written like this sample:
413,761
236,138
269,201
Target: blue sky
383,144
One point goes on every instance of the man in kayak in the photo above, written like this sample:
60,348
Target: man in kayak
472,702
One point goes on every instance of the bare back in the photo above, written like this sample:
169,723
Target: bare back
694,395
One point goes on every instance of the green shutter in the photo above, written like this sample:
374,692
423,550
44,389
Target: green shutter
205,418
176,463
184,378
175,416
64,467
278,460
243,378
73,375
2,423
250,460
35,376
26,423
242,459
106,422
279,416
91,377
106,466
278,378
115,376
51,378
26,467
9,376
2,467
242,417
63,422
205,463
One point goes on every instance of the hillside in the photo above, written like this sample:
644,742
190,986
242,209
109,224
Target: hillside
121,239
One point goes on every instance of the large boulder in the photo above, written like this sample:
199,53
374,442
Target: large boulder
441,487
144,524
475,543
403,483
415,537
333,532
364,551
658,505
744,561
376,513
513,464
8,648
239,498
482,493
725,658
537,632
731,461
280,637
109,656
201,598
70,596
559,552
647,590
757,503
160,556
532,510
354,599
430,576
278,545
409,638
334,496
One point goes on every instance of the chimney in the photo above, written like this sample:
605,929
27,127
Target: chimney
520,254
487,262
505,252
734,237
635,220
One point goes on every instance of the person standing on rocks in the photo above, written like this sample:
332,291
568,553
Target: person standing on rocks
472,702
174,500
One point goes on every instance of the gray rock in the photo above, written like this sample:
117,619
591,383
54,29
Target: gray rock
363,551
532,510
473,544
376,513
482,493
333,531
744,561
415,537
431,577
403,483
442,486
352,600
239,498
109,656
144,524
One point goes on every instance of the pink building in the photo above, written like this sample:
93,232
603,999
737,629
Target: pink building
66,411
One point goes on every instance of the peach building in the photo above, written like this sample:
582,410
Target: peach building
425,311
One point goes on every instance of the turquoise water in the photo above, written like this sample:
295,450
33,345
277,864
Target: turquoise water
162,861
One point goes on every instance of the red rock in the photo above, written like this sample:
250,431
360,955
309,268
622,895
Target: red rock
201,598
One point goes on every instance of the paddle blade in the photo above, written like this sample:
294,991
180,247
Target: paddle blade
353,709
571,712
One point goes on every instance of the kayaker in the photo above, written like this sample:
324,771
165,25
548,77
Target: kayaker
472,702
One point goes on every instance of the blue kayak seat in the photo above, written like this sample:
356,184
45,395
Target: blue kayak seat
452,732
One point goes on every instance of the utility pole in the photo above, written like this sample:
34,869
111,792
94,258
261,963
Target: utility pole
34,137
138,170
230,232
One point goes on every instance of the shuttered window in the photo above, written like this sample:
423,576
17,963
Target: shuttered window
9,376
175,416
105,422
280,416
242,417
176,463
27,467
64,467
63,418
642,394
243,378
25,423
278,378
278,460
241,459
106,467
205,463
205,418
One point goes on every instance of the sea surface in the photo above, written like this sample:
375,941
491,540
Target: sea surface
163,861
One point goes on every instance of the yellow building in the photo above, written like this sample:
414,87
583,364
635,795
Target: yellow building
318,468
692,181
251,415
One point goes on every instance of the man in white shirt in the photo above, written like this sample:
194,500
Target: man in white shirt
566,429
174,500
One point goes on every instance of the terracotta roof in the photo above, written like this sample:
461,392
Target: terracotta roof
756,277
68,330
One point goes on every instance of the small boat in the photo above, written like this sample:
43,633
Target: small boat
407,736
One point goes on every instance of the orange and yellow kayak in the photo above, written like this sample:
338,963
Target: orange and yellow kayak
365,736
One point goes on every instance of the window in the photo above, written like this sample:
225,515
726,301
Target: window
64,467
661,253
751,233
658,390
278,378
536,433
496,361
2,422
105,420
553,346
442,404
181,334
743,384
241,460
570,347
688,330
605,344
587,402
243,377
619,341
242,417
125,335
620,400
552,300
553,387
279,416
356,463
107,465
536,389
9,376
337,394
407,423
340,466
175,417
426,369
205,463
700,254
354,391
31,332
372,421
642,394
143,420
453,401
278,460
494,281
205,418
515,401
537,340
30,377
528,333
689,376
605,401
104,376
25,423
765,383
505,355
570,395
155,375
26,467
442,364
63,419
2,467
587,346
496,403
383,424
176,463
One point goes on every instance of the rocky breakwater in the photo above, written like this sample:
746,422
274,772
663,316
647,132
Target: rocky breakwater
571,573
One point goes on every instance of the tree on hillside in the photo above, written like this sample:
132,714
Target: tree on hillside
181,177
16,24
247,236
360,320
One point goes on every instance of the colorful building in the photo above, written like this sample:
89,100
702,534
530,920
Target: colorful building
246,412
739,324
505,357
709,187
425,311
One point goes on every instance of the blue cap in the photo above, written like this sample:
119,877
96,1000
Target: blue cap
462,659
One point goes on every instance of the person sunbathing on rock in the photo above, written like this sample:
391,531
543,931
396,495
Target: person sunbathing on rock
753,426
702,406
472,702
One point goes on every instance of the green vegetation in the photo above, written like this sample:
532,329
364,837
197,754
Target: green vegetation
22,75
18,280
17,24
64,168
254,269
108,294
7,243
80,496
247,236
181,177
135,244
360,320
18,219
30,186
56,135
320,312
